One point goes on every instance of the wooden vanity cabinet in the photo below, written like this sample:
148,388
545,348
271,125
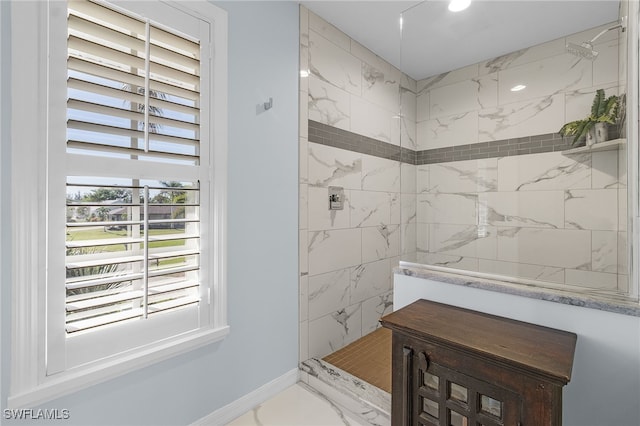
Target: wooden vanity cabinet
457,367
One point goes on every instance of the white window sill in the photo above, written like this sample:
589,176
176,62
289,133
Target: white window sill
81,378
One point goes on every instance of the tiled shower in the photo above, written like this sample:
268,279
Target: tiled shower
455,170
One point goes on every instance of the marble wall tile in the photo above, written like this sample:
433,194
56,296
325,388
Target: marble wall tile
303,163
408,137
332,64
623,283
320,217
380,87
422,237
329,32
328,293
380,242
594,209
454,130
304,27
523,56
369,280
564,248
537,209
463,240
422,106
522,270
408,240
622,168
529,117
589,279
408,178
464,176
548,171
453,99
303,105
375,308
372,120
487,90
333,250
396,207
329,166
366,55
604,172
408,134
380,174
303,222
578,102
422,178
623,255
304,298
369,208
604,251
605,69
408,213
448,78
622,210
449,261
408,82
303,250
328,105
460,208
396,129
303,335
334,331
544,78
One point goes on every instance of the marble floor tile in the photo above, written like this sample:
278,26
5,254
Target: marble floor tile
297,405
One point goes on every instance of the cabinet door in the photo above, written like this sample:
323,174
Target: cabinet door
445,397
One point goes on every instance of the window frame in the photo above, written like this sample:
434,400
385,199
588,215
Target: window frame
35,345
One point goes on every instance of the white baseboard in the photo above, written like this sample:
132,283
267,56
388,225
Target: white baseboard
229,412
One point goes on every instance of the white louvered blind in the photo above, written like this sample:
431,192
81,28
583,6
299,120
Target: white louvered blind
132,245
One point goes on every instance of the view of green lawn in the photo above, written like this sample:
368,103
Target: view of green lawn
101,232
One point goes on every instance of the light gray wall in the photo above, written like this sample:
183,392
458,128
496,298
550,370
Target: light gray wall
262,243
605,382
5,225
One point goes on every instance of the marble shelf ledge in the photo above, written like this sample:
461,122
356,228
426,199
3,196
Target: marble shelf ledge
598,147
591,299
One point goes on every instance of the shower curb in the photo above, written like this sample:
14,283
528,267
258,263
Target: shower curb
358,397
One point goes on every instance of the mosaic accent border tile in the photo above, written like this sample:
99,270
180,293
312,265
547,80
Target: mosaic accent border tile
343,139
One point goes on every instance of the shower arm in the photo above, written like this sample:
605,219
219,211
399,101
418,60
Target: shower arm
621,24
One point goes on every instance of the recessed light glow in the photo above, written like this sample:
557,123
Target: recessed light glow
458,5
518,88
304,73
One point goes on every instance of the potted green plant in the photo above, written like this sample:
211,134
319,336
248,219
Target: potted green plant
604,111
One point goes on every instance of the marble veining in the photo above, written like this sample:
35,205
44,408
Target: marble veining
375,398
480,179
500,122
328,108
592,299
502,62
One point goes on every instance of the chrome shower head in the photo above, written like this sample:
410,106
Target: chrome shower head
584,50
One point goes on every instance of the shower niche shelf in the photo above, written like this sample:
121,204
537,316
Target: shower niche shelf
597,147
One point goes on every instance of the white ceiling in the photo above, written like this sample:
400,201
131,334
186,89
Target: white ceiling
435,40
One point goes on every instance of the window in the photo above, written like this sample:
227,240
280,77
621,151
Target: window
132,269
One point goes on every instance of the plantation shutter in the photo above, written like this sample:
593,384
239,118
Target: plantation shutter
133,242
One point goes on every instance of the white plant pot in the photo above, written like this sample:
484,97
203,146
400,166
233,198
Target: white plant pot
591,136
602,132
